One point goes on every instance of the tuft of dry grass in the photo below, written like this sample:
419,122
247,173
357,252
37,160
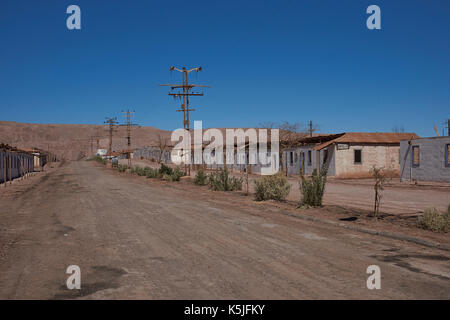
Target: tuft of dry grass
435,221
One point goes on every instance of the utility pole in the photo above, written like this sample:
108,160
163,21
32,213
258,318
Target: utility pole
128,114
91,141
96,137
310,128
111,122
184,95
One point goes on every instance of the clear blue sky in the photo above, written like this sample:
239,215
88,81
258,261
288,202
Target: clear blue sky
265,61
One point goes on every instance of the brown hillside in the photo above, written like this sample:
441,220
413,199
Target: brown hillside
72,141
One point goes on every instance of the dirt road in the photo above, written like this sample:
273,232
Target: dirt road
136,238
397,198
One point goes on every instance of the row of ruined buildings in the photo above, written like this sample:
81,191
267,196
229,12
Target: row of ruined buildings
347,155
18,162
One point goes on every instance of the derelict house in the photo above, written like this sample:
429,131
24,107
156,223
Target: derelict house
349,154
14,163
426,159
153,152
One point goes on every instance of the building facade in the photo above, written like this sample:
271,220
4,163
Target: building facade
351,154
14,163
426,159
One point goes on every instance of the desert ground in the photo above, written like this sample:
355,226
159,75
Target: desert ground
138,238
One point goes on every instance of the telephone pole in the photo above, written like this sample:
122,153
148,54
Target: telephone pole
111,122
128,114
97,138
183,93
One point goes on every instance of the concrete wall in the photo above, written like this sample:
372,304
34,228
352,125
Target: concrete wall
341,162
432,165
152,152
317,159
386,156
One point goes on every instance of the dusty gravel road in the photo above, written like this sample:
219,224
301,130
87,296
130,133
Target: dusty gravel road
136,238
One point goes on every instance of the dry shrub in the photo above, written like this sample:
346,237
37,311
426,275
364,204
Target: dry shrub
221,181
201,178
274,187
313,189
435,221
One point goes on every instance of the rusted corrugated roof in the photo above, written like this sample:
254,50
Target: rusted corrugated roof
370,138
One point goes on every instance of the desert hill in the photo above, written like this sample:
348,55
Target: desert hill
73,141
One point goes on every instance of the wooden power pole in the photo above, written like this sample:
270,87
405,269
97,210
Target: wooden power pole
184,95
111,122
128,114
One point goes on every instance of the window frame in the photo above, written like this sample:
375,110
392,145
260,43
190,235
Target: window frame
447,155
309,158
412,156
360,156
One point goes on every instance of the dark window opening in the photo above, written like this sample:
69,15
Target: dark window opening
447,155
325,156
309,158
358,156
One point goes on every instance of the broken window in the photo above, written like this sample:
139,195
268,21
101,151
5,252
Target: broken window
291,158
309,158
416,156
358,156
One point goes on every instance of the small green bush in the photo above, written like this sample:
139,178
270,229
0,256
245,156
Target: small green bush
201,178
435,221
153,173
99,159
313,189
221,181
122,167
139,171
176,175
165,170
274,187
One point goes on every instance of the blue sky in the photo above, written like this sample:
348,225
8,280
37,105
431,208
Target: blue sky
264,60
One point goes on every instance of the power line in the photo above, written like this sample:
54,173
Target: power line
184,95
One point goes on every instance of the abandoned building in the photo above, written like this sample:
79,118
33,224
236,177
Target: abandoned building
40,157
425,159
14,163
153,152
349,154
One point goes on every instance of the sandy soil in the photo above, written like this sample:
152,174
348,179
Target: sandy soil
141,238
